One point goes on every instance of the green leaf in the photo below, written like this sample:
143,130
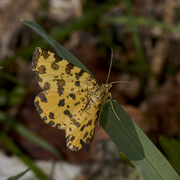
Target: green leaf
135,145
19,175
172,149
129,137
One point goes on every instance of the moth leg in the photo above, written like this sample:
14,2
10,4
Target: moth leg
100,113
112,107
101,108
102,104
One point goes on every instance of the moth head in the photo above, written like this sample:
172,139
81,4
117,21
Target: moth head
107,86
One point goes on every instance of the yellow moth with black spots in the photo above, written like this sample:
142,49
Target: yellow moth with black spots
71,99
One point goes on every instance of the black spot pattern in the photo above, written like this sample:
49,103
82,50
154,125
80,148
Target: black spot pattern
54,66
57,58
35,59
45,53
42,97
61,102
51,115
60,83
76,123
38,108
79,74
67,112
77,83
44,118
82,128
42,69
58,126
51,123
72,96
46,86
76,103
72,138
68,69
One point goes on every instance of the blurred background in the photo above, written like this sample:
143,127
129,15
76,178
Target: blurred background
145,37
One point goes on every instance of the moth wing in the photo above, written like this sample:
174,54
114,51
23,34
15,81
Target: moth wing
73,115
87,118
55,73
65,101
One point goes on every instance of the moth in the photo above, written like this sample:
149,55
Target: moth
71,99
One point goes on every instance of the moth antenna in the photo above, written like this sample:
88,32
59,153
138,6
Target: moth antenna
126,82
110,66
